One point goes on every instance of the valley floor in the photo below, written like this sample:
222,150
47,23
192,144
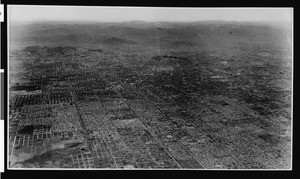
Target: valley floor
177,112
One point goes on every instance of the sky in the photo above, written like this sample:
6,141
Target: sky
119,14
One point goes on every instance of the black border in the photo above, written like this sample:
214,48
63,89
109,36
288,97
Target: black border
161,3
142,173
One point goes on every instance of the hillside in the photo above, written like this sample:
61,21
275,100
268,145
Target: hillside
164,34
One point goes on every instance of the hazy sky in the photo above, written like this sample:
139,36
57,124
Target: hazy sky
113,14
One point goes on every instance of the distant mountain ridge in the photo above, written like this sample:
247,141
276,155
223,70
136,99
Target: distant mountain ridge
139,32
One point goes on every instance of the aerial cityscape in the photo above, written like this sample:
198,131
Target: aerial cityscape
150,95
